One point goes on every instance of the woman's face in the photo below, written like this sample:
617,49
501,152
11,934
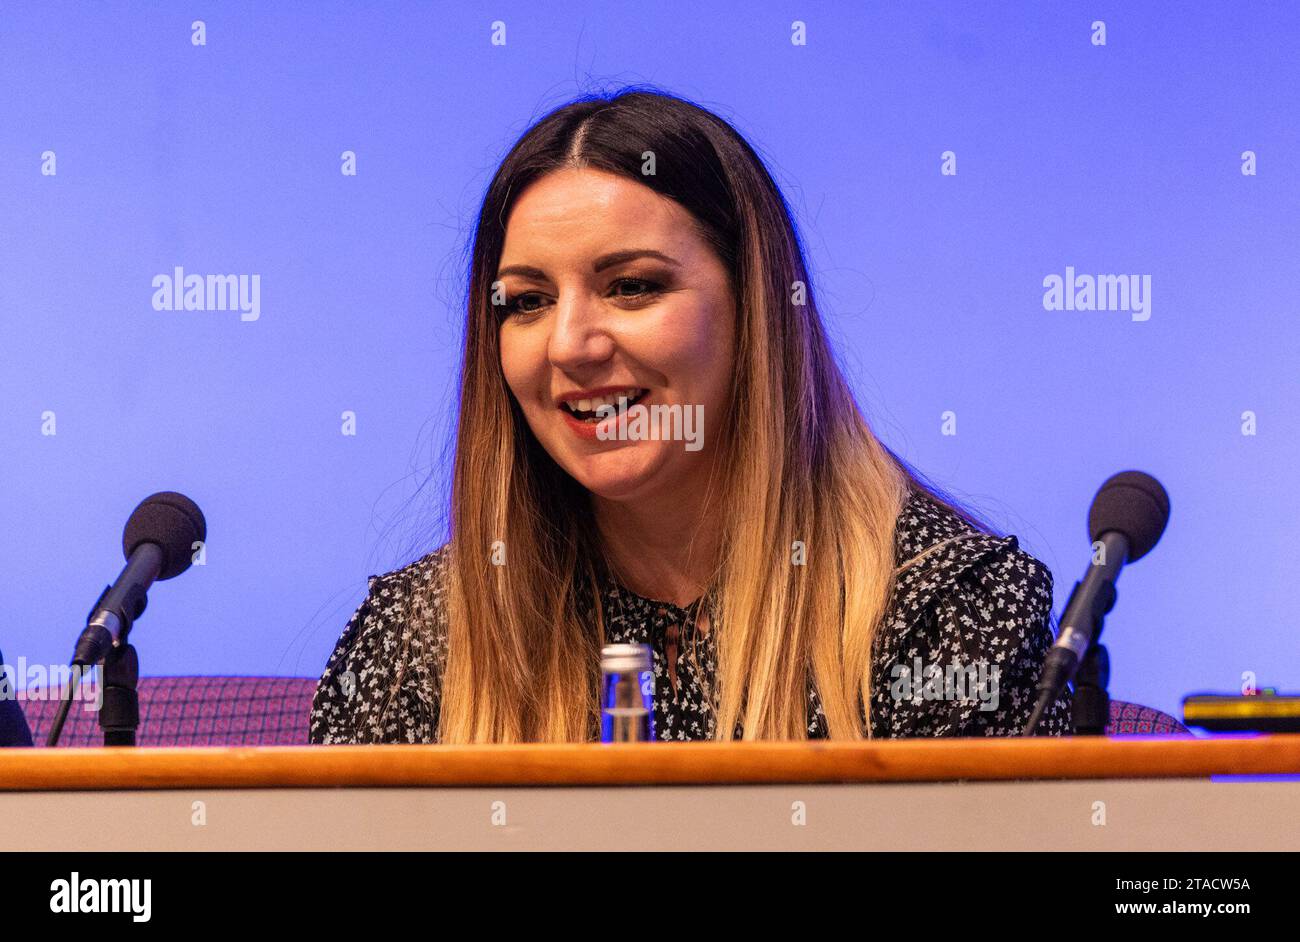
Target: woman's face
610,289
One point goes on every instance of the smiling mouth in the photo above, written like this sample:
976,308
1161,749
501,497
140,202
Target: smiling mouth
585,410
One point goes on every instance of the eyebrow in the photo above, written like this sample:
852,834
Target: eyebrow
605,261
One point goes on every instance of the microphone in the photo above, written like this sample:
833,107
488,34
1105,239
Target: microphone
1127,518
158,543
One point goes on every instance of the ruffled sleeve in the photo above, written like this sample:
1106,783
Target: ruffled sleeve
379,684
965,659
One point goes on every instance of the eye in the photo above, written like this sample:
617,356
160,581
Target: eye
518,304
647,288
642,289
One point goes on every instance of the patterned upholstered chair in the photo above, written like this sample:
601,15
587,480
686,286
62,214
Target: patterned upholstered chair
1133,718
195,711
274,711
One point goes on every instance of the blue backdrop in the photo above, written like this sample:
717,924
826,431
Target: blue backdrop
128,150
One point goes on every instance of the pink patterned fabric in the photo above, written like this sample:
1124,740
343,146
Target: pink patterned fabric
274,711
1130,718
195,711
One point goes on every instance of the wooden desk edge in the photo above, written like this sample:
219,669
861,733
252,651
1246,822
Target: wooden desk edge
587,764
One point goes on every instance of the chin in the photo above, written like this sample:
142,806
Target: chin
616,475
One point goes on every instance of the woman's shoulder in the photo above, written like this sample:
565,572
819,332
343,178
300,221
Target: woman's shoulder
430,570
965,600
410,601
394,599
395,642
934,547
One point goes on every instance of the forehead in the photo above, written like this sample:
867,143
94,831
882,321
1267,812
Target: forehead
574,212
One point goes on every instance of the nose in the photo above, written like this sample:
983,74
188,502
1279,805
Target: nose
579,331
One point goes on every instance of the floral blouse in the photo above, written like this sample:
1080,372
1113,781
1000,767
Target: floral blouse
957,653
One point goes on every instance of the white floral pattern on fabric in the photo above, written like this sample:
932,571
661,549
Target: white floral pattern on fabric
970,597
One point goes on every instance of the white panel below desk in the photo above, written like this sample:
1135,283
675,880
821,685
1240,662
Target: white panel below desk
1140,814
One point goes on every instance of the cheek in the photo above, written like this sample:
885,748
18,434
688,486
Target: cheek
698,352
519,365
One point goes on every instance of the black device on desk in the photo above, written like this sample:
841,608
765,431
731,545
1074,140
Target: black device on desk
1265,711
13,724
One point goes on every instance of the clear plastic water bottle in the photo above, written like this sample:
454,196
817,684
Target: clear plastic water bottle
627,707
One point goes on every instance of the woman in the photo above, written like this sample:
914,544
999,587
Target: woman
793,578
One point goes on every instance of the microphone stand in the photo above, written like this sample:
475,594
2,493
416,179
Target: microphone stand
1091,701
1091,706
1086,610
119,714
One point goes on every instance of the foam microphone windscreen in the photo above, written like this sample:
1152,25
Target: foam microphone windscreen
1132,503
171,520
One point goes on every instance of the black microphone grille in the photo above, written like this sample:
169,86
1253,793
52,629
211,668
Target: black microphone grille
1132,503
171,520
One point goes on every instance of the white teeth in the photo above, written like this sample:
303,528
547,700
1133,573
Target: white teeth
595,403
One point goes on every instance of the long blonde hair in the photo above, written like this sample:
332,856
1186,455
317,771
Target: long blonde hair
804,472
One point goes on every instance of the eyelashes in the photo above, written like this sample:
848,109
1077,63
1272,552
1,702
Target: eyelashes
650,289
